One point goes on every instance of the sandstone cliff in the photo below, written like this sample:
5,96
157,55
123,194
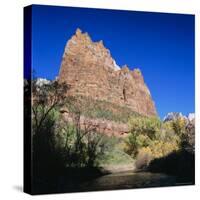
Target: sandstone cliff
90,70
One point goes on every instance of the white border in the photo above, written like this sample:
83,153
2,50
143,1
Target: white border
11,81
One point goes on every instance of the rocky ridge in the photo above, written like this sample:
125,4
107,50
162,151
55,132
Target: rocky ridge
90,70
174,115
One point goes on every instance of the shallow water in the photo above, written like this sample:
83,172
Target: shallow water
122,180
127,180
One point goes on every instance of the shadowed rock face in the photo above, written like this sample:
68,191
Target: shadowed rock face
90,70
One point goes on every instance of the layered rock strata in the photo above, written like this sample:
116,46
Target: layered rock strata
90,70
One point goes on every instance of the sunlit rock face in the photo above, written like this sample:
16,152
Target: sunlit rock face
90,70
42,81
175,115
191,116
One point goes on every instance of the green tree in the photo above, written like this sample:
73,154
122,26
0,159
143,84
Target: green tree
148,126
142,131
179,126
45,98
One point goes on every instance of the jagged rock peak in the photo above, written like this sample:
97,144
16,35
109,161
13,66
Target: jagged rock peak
137,75
80,34
101,42
125,68
81,43
191,116
91,71
175,115
78,31
137,70
172,116
42,81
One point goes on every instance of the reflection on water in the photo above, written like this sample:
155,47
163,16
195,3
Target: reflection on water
127,180
123,180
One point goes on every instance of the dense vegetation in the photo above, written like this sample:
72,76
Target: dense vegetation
59,141
162,146
63,148
100,109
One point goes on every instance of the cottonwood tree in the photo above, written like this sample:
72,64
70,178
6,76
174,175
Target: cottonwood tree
46,98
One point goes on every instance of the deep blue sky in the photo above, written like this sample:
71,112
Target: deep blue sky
161,45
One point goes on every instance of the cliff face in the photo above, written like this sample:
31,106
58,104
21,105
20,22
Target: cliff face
90,70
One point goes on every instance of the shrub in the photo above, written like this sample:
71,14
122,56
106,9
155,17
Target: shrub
79,147
57,142
43,147
143,141
143,158
150,139
179,126
143,132
160,148
148,126
156,149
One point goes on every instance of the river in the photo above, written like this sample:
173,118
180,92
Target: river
121,180
128,180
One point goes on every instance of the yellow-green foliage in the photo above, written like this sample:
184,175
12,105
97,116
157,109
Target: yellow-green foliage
161,148
144,157
150,138
179,126
156,149
143,141
135,142
143,131
144,125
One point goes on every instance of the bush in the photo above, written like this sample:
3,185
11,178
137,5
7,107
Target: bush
149,139
134,143
160,148
43,147
57,143
156,149
79,147
148,126
143,132
174,153
179,126
143,158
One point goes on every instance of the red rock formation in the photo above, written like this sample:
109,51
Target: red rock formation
91,71
109,128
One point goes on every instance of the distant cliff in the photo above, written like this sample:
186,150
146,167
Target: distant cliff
90,70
